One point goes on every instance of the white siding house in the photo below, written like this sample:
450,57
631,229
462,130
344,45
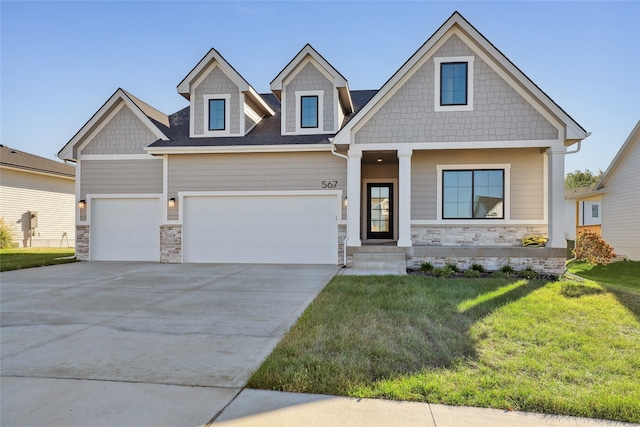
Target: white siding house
37,198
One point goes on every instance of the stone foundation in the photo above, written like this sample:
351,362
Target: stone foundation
82,242
171,244
509,235
555,266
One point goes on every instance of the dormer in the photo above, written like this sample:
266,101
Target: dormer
222,102
314,96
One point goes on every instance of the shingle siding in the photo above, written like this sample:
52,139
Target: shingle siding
499,112
216,83
310,78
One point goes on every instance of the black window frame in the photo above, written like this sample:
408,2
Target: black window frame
473,194
317,98
224,114
466,83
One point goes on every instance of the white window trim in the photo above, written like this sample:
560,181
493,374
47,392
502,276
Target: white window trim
507,191
227,114
320,94
436,99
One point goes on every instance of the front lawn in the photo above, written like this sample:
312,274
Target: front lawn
16,259
623,273
556,347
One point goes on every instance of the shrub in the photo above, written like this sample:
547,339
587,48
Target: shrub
593,249
443,272
426,266
472,273
477,267
507,269
6,234
528,273
453,267
499,274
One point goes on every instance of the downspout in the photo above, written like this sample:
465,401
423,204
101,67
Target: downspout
344,244
588,134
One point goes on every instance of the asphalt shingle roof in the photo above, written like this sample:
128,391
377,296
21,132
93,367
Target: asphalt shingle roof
11,157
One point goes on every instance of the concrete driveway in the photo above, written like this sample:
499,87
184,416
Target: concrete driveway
106,344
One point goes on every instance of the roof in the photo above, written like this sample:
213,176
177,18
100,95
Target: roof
580,192
17,159
633,137
267,132
456,22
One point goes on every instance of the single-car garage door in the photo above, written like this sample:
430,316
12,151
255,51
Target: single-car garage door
125,230
289,229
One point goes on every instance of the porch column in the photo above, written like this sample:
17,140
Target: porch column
404,197
353,198
555,217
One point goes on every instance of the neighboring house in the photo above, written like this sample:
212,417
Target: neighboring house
37,198
456,158
584,206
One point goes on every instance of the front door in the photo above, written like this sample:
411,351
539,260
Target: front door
380,211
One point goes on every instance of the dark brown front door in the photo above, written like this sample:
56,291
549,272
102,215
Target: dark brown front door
380,211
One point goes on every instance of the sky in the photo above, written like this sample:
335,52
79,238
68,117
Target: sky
60,61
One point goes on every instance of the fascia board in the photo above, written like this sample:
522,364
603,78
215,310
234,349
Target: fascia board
27,170
634,136
239,149
143,117
337,78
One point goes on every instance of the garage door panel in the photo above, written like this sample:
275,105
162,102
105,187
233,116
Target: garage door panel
125,230
265,229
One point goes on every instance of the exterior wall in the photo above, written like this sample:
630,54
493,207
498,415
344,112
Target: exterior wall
310,78
171,244
478,236
124,134
119,177
527,179
52,197
216,82
499,112
570,219
254,172
585,214
621,205
82,243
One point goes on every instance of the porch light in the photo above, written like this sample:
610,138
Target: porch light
345,202
379,160
82,204
172,202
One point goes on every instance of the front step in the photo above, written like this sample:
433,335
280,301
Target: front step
378,263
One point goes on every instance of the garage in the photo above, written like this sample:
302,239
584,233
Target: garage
125,229
283,228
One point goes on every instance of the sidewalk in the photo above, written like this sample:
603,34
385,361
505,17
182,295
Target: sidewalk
274,408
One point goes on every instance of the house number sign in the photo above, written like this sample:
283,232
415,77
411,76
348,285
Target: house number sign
329,184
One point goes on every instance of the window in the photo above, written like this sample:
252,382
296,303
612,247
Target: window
453,83
594,211
216,114
309,111
473,194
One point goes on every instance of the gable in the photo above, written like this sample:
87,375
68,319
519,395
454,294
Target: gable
123,134
309,78
214,83
499,112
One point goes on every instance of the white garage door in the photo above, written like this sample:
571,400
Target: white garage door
261,229
125,230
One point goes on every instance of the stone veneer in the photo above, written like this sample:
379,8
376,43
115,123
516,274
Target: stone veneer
509,235
82,242
171,244
342,235
547,265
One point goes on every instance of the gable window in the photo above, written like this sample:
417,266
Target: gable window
453,83
473,194
216,114
309,111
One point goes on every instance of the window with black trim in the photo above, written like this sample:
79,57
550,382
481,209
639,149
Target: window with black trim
453,83
309,111
217,114
473,194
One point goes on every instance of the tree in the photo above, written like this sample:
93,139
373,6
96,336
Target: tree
579,178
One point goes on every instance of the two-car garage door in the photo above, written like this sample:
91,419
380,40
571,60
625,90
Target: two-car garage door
280,228
293,229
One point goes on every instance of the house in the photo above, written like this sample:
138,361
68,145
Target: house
37,198
584,205
454,159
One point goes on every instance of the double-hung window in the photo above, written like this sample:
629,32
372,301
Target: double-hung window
473,194
453,83
309,111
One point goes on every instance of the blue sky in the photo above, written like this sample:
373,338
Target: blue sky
60,61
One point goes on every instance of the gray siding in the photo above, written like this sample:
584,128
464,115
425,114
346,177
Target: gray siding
621,206
310,78
124,134
527,179
120,176
216,82
499,112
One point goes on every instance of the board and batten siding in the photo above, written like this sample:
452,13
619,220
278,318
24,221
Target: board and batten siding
52,197
254,172
621,206
527,179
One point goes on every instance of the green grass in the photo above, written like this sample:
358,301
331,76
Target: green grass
16,259
556,347
623,273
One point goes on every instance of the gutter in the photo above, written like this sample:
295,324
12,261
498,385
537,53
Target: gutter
579,145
